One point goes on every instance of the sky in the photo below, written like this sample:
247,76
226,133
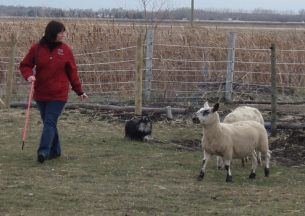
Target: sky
248,5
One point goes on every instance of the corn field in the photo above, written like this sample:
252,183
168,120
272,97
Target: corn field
188,65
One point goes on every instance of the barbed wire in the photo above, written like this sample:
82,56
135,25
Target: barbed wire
187,91
105,71
290,63
111,92
254,49
4,57
184,46
249,62
108,83
105,63
183,82
212,47
189,60
105,51
251,84
186,70
295,50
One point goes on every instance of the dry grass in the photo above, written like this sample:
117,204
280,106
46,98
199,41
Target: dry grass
87,36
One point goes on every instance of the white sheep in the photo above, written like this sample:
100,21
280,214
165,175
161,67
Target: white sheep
243,113
235,140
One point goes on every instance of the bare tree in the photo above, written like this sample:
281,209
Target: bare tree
144,4
153,10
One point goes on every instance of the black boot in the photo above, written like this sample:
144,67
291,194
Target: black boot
40,158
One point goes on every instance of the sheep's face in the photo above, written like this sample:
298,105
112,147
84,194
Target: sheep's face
206,114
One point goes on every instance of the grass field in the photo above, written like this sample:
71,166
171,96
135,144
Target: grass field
101,173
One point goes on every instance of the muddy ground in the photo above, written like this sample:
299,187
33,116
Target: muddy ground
288,146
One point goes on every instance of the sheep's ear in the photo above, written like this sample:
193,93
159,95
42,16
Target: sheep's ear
216,107
206,105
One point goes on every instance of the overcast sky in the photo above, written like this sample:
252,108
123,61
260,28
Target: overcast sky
276,5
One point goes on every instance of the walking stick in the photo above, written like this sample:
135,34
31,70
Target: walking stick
27,115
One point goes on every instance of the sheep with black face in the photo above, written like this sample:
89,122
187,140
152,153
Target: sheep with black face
242,113
235,140
138,128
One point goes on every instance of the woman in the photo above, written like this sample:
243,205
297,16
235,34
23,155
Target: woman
51,65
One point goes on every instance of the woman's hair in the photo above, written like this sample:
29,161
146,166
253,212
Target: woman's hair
50,34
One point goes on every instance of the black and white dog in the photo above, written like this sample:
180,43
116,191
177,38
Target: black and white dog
138,128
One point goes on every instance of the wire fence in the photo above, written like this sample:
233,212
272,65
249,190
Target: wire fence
176,73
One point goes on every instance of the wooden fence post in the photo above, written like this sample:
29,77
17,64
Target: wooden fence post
149,64
230,67
10,72
139,76
273,90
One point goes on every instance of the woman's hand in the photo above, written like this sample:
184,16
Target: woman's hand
84,96
31,79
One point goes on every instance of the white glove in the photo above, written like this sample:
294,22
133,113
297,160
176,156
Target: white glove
31,79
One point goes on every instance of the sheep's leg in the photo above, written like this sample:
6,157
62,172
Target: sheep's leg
254,165
259,158
229,174
220,163
206,157
267,160
243,161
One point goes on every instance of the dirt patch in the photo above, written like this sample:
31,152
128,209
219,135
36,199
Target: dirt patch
289,148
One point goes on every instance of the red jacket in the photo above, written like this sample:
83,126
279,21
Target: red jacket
54,71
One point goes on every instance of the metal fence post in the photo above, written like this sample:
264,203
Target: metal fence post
149,64
10,72
192,13
230,67
273,90
139,76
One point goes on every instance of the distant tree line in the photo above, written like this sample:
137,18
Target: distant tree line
175,14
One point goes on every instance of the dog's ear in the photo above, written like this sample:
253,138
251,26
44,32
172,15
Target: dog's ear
216,107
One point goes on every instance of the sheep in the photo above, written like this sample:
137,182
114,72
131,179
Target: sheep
242,113
235,140
138,128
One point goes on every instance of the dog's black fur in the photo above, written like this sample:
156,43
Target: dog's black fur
138,128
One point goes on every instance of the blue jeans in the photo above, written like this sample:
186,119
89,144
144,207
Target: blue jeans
49,145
